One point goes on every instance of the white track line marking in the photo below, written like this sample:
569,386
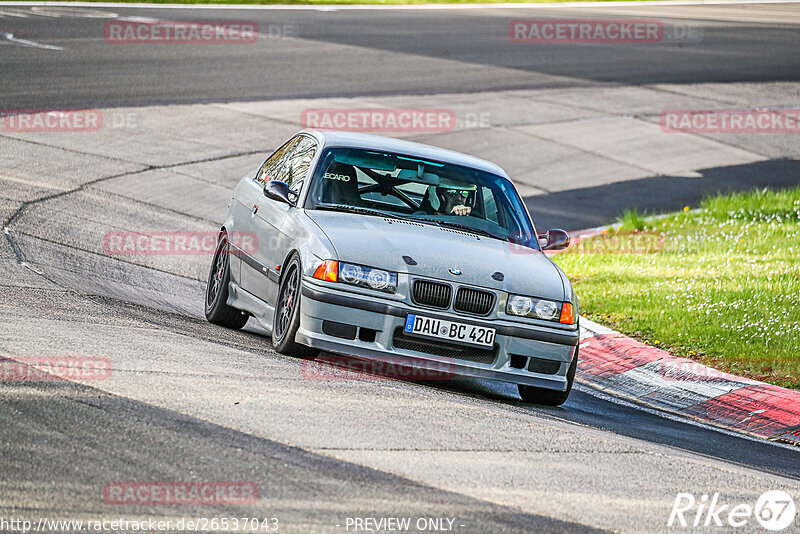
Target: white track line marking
14,13
143,20
33,44
68,11
383,7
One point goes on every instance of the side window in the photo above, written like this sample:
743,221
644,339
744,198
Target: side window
271,168
298,163
489,205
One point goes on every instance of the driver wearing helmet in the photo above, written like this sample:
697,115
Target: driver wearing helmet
451,199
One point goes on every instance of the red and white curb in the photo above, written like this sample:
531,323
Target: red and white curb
615,363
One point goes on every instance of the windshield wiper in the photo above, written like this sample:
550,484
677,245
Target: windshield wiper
471,229
352,209
362,211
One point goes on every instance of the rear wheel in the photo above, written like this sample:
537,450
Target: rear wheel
217,309
287,313
550,397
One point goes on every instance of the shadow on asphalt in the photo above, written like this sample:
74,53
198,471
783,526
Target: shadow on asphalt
577,209
589,407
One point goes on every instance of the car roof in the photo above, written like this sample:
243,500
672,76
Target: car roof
332,138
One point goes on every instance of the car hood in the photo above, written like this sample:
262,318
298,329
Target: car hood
382,242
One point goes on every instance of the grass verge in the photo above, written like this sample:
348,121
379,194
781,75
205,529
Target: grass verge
720,285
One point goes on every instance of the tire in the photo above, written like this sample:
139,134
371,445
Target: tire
549,397
217,309
287,312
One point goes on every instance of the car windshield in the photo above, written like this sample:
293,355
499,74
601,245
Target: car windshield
371,182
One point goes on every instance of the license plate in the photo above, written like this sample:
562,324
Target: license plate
449,330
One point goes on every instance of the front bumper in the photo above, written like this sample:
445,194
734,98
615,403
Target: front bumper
530,355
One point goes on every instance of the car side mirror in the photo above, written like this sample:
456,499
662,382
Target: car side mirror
277,190
554,240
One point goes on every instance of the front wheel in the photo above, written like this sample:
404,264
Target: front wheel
217,309
287,313
550,397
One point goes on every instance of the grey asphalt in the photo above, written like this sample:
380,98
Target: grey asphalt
74,440
191,401
98,74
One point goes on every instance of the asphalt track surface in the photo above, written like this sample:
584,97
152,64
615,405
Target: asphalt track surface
99,75
341,53
61,441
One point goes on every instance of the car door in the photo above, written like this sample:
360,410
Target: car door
260,270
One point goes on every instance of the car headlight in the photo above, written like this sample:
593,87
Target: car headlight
521,306
549,310
369,277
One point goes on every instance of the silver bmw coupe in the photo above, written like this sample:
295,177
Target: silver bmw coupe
389,250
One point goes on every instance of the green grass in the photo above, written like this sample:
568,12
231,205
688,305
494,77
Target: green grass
632,221
720,285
